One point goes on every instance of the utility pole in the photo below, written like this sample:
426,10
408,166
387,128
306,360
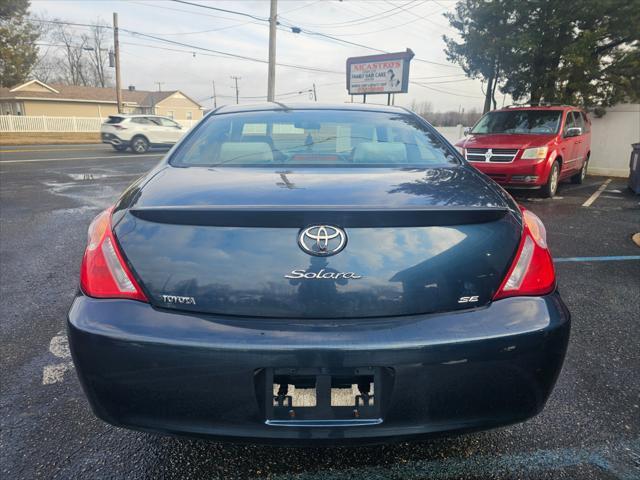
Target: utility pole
237,92
159,85
271,79
315,97
215,100
116,47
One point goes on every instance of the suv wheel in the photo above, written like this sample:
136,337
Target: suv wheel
139,145
579,177
549,189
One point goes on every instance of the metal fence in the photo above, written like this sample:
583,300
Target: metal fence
23,123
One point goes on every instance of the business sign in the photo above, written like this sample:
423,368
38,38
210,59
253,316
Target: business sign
387,73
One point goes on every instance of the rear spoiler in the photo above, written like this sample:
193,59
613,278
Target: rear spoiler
279,216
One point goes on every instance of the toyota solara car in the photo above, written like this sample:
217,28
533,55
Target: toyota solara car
316,274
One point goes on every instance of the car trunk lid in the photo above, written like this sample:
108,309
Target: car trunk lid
226,241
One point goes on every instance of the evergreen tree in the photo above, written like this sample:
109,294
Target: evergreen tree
585,52
18,52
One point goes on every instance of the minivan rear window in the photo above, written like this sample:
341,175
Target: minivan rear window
114,119
313,137
527,122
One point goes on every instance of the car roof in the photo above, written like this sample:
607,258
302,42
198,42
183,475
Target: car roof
279,106
136,115
538,107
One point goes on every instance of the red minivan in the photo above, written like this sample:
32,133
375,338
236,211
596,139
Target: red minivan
531,147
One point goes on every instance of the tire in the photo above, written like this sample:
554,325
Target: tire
549,189
579,177
119,148
139,144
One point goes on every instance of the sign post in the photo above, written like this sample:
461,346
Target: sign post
378,74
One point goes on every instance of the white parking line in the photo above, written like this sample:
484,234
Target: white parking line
596,194
80,158
59,347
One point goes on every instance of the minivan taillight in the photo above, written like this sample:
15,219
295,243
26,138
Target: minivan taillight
104,273
532,272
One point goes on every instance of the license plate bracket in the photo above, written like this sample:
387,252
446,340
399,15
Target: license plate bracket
321,394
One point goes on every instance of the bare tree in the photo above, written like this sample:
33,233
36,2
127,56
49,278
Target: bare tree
73,54
445,119
74,58
98,53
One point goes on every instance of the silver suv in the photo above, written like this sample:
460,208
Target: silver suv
140,132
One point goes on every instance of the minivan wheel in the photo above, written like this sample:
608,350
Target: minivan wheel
550,188
579,177
139,145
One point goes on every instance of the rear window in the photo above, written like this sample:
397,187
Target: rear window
142,120
313,137
530,122
114,119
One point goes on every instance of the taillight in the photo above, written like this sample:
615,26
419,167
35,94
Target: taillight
104,273
532,272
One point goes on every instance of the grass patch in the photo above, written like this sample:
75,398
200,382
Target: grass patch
49,138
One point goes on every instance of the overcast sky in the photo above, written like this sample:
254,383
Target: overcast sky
386,25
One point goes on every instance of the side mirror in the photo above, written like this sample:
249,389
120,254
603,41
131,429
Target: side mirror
573,132
466,131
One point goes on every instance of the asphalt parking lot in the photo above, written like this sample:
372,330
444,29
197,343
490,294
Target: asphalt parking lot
589,429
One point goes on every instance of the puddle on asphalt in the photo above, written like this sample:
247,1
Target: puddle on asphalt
87,194
87,176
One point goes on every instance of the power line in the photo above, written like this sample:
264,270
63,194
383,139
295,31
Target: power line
205,54
311,32
231,55
301,7
409,28
196,47
449,81
261,97
440,76
444,91
235,12
418,16
211,52
182,10
341,40
393,27
370,18
398,25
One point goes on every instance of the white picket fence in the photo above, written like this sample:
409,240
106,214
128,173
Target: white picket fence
19,123
37,124
23,123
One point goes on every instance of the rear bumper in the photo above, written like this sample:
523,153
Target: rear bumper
162,371
112,139
519,173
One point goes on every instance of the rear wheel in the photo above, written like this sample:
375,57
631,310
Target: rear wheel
139,145
550,188
119,148
579,177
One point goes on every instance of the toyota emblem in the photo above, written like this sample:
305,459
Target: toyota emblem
322,240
